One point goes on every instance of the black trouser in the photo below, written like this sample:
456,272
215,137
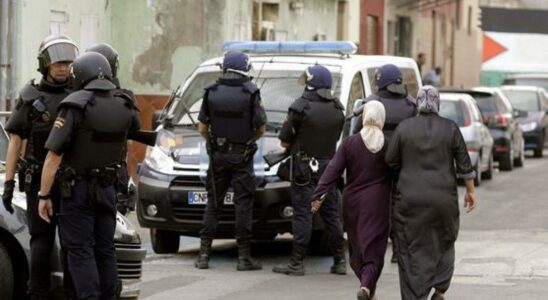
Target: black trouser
301,193
230,170
86,227
42,239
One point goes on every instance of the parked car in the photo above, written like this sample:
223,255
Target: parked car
15,250
501,119
171,191
531,79
534,100
462,109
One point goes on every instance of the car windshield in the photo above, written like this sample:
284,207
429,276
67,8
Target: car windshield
278,90
523,100
486,104
540,82
452,110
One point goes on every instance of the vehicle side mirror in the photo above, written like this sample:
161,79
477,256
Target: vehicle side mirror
520,113
354,117
156,119
358,107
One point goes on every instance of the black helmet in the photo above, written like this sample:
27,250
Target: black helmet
91,70
55,48
107,51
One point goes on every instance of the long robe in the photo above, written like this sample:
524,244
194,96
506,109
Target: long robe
424,151
365,205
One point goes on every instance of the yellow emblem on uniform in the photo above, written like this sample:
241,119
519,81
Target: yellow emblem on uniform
46,117
59,122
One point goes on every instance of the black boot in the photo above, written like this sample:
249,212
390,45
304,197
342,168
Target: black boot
245,262
295,266
205,250
339,261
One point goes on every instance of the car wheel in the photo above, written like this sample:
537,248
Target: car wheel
489,173
518,162
164,241
319,243
477,179
506,163
540,146
6,275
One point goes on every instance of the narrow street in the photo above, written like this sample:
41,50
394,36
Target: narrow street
502,253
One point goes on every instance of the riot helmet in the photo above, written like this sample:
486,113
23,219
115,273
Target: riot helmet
91,70
109,53
237,62
389,77
318,78
54,49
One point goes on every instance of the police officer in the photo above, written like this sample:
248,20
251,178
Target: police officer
87,141
398,105
315,111
32,120
231,118
122,187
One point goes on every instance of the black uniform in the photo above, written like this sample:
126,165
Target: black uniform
91,132
32,119
307,117
232,108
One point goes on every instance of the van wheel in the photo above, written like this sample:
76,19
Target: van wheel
6,275
540,146
164,241
506,163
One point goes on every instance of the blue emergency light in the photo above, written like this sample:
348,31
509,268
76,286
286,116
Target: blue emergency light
340,47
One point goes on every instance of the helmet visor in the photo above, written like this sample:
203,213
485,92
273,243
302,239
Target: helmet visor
62,52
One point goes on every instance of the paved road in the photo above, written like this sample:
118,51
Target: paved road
502,253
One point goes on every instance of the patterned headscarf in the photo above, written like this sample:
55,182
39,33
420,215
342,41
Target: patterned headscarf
428,100
374,116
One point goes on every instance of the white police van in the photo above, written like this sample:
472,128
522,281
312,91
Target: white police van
171,188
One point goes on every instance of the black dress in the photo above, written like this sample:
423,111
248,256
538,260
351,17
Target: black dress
427,152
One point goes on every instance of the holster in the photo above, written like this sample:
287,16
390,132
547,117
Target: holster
65,180
21,169
30,170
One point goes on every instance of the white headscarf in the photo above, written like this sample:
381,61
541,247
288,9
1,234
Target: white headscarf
374,115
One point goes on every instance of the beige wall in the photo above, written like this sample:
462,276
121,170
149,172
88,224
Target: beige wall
458,43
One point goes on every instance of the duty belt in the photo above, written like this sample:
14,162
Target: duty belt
231,148
104,177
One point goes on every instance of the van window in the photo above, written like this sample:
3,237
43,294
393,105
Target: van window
452,110
356,92
409,79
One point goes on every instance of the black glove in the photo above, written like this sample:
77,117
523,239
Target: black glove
9,186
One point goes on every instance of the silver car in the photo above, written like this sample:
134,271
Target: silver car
463,110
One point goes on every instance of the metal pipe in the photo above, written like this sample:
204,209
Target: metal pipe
13,54
3,52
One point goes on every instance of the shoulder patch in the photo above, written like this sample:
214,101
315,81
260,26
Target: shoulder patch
29,92
299,105
250,87
78,99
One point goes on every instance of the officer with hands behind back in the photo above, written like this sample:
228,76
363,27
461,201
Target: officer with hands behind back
317,110
231,119
85,146
32,120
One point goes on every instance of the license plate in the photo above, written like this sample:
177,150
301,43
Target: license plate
200,198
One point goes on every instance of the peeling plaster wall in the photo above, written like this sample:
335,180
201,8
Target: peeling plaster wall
34,26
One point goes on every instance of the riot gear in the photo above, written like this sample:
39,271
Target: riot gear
53,49
237,62
89,67
109,53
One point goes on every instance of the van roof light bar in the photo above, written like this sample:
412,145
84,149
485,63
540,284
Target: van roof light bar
338,47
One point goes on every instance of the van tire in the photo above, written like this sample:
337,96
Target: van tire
164,241
7,283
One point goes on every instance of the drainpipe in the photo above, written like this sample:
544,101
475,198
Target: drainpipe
13,54
3,52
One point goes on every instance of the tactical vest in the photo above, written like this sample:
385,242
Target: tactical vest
321,125
230,108
99,138
43,111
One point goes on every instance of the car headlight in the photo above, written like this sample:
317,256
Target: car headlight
158,160
528,126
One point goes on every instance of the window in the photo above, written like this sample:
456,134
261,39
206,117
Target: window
356,92
58,22
453,111
523,100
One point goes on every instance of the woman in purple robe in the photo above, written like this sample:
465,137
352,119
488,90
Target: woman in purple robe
366,196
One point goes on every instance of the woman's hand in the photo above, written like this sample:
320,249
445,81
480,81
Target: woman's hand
470,201
315,206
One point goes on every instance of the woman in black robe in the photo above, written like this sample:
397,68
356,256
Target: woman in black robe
427,153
